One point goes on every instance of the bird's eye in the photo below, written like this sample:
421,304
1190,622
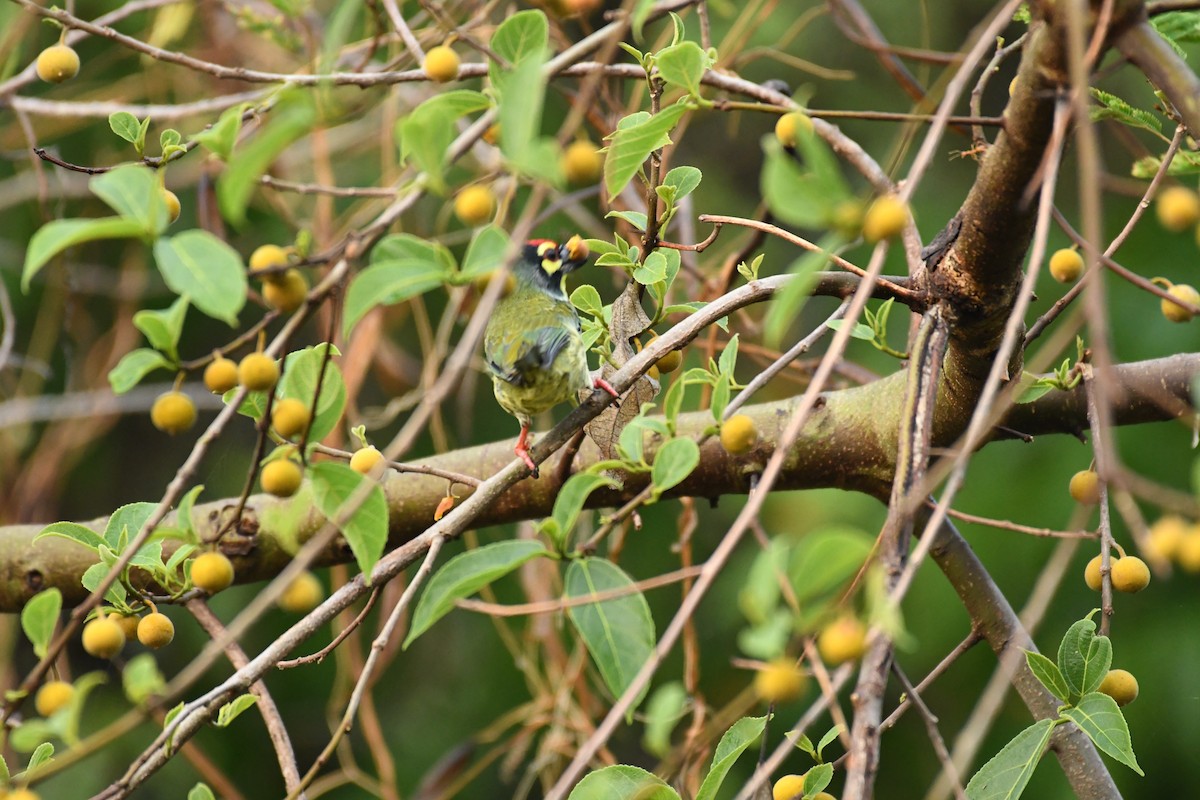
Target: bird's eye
545,248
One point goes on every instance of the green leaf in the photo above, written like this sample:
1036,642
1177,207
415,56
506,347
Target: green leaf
1184,163
789,302
231,710
587,299
673,462
169,138
1072,653
32,734
38,618
825,559
818,777
135,194
630,145
1096,661
621,782
641,13
41,755
485,253
293,117
652,270
569,503
75,532
619,632
364,526
1005,776
860,331
426,133
54,237
222,136
163,328
664,709
402,246
1113,107
760,592
125,125
683,65
1047,672
134,366
829,736
467,573
183,516
803,195
200,792
1098,716
635,218
387,283
522,90
301,372
1178,26
206,269
728,359
684,179
92,577
740,735
141,679
523,35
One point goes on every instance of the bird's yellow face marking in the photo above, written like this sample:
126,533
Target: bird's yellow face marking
548,252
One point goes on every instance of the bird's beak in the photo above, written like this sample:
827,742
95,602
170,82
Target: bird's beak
574,253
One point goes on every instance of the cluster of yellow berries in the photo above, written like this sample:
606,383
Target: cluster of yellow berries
781,681
1172,538
1178,209
105,636
580,162
283,287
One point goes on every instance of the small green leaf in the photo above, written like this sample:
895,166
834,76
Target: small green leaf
684,179
75,532
231,710
141,679
635,218
829,736
163,328
789,302
824,560
673,462
485,253
1113,107
222,136
200,792
183,516
92,577
522,91
652,270
1098,716
134,366
133,192
728,358
1007,774
41,756
520,36
570,500
301,373
618,632
125,125
683,65
54,237
664,709
364,526
467,573
641,13
169,138
426,133
621,782
1047,672
1072,653
1097,660
740,735
39,616
860,331
632,144
587,300
206,269
387,283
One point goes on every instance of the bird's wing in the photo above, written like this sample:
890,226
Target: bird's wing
516,360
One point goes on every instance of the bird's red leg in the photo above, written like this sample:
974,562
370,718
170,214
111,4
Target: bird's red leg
522,450
600,383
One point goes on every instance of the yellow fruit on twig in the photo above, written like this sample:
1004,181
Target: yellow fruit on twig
57,63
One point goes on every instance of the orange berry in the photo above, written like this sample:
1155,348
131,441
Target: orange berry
212,572
441,64
885,219
1130,575
366,459
1120,685
155,630
52,696
582,162
57,63
258,372
281,477
780,681
103,637
1066,265
738,434
173,412
1177,208
1175,312
475,205
221,375
1085,487
290,417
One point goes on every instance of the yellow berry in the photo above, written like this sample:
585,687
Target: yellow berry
129,625
173,412
286,292
886,217
787,126
20,794
780,681
221,375
823,796
475,205
670,362
290,416
269,256
1091,573
582,162
366,459
844,639
1166,537
156,630
171,201
103,638
441,64
1178,208
212,572
788,787
52,696
1120,685
57,63
281,477
738,434
258,372
847,218
1066,265
1130,574
1012,87
1188,554
303,594
1175,312
1085,487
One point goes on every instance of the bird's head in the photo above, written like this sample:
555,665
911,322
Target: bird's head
545,264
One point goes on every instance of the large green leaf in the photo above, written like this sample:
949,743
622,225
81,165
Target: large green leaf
163,328
426,133
618,632
631,144
673,462
522,90
301,374
621,782
365,526
1098,716
134,192
38,618
683,65
387,283
1047,672
484,254
54,237
133,366
210,272
569,503
1007,774
740,735
825,559
467,573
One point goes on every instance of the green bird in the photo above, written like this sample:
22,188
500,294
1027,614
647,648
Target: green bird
532,346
